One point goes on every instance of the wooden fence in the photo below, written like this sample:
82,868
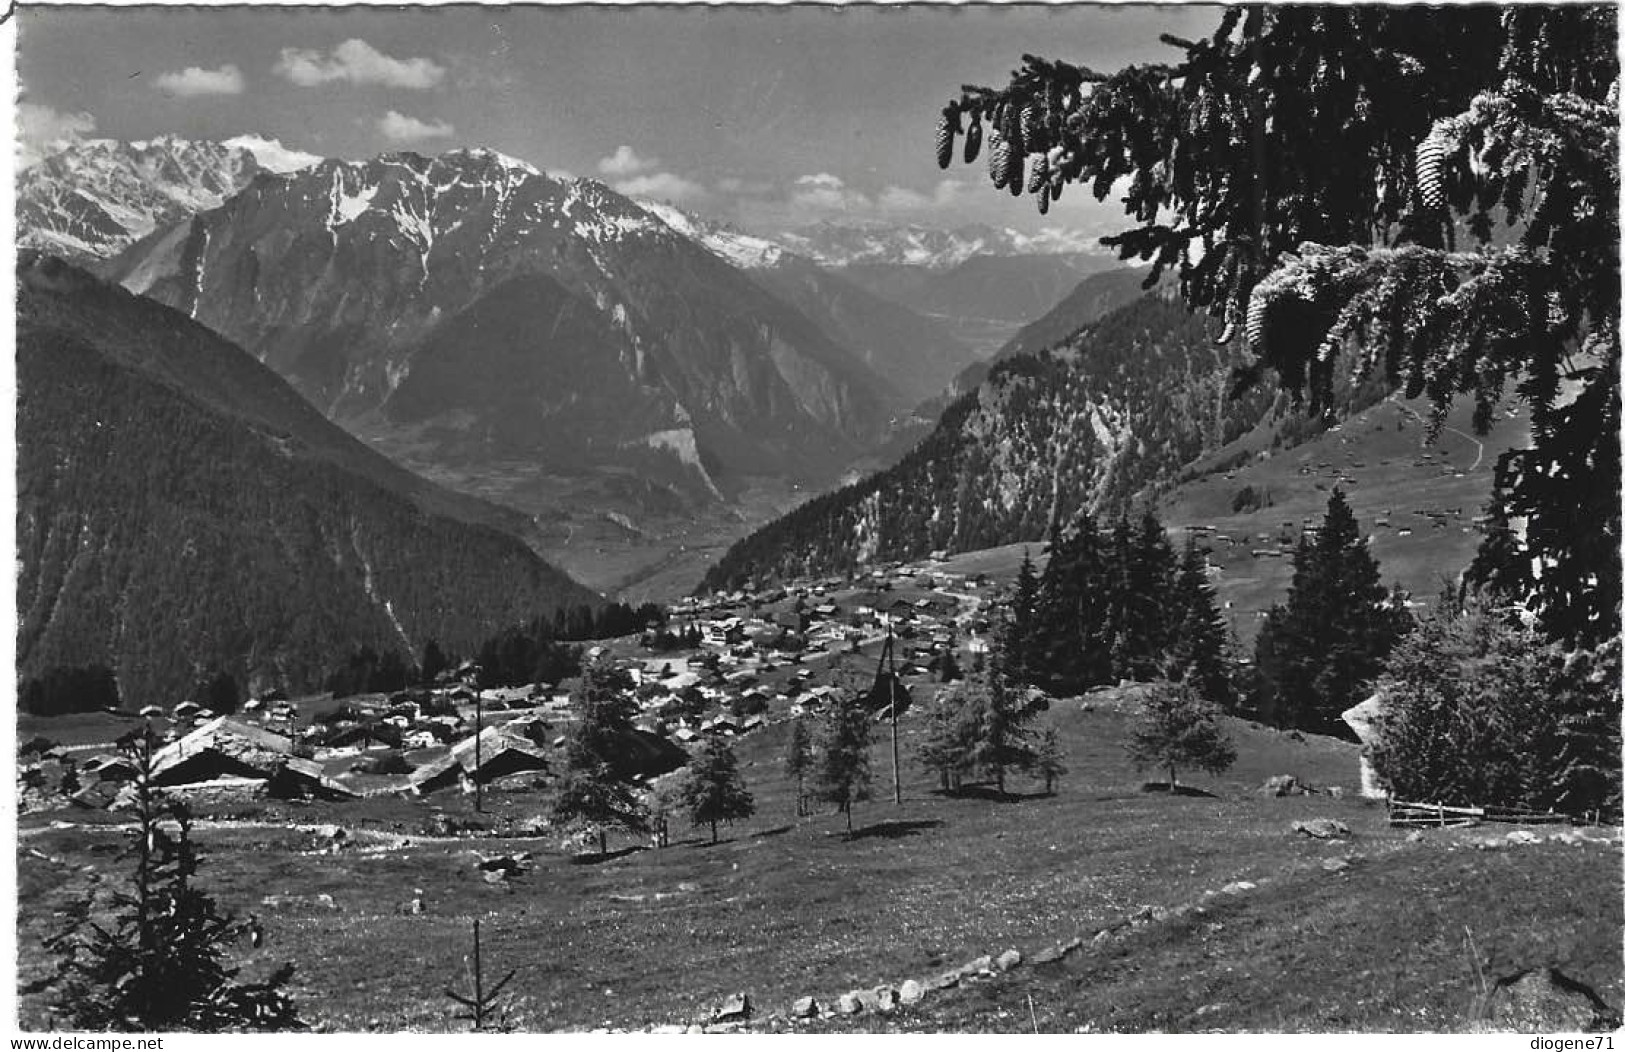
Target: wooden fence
1402,813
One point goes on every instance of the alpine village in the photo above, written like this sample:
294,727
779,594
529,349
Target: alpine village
454,594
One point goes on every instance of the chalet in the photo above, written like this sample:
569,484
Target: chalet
722,723
224,748
502,751
1362,720
362,735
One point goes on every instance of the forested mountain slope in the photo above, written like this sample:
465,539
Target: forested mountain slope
181,511
1124,404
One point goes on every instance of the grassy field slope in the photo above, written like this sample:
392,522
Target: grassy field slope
785,907
1415,500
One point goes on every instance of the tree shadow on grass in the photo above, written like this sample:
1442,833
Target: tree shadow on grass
775,831
595,859
1179,790
894,830
980,791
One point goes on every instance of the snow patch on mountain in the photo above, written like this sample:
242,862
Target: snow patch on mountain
347,205
745,251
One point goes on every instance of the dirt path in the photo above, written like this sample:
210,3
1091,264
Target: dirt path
1477,460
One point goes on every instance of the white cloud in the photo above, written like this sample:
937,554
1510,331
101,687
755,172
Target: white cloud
397,127
194,80
42,131
357,62
661,186
902,199
824,192
625,162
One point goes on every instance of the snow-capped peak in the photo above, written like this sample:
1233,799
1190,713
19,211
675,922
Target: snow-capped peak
271,154
485,153
93,197
842,243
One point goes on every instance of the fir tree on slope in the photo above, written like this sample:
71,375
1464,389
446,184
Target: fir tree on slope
713,790
593,795
1198,647
798,762
1147,620
1177,728
1306,171
1072,632
160,961
1317,653
1021,642
843,758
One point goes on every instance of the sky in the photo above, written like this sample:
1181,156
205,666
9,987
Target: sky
767,118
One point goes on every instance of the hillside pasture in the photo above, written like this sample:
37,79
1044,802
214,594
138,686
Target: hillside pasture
786,907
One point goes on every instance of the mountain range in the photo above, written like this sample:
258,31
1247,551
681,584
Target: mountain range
634,376
470,308
96,197
844,244
916,354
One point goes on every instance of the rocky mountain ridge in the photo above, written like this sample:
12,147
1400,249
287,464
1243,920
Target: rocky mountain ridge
95,197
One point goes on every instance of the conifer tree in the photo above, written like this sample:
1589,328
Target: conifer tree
1329,641
1049,758
798,762
434,662
1498,567
1001,738
1074,624
1175,729
1480,709
1021,642
160,962
1198,648
843,769
714,791
1149,614
949,735
1431,191
594,795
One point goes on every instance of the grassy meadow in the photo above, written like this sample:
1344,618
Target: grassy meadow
784,907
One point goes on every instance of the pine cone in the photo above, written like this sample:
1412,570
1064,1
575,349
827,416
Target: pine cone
1255,323
1043,200
1014,173
1038,175
1430,172
998,161
1010,128
973,140
946,126
1031,131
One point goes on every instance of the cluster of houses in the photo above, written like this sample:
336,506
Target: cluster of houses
739,662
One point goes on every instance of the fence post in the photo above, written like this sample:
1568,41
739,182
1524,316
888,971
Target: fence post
1440,806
